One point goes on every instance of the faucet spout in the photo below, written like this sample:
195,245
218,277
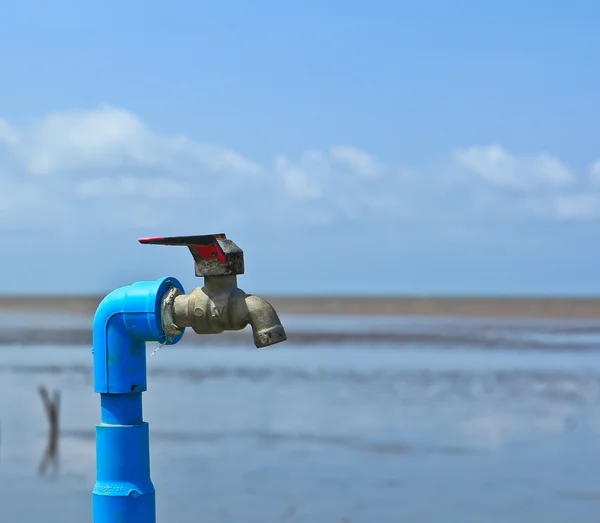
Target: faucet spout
266,326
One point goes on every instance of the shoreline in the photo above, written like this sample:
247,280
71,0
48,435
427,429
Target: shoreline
491,307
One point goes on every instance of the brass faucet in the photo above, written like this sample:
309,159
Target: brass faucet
220,305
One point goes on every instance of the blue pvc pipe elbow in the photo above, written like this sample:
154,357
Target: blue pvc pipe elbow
125,320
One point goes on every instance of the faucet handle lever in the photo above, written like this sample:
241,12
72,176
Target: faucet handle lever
214,254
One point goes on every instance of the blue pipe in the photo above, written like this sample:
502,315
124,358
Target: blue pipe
125,320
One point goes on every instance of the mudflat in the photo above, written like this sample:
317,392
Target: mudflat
501,307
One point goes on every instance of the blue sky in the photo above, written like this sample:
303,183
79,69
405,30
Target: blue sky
348,147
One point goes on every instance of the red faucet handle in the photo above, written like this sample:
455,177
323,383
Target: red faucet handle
206,246
214,254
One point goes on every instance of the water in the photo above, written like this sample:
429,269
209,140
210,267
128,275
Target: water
438,429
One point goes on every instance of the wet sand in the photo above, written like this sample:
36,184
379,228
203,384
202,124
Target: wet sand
314,331
496,307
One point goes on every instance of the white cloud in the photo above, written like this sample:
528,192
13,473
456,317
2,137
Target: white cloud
114,139
577,206
15,195
107,168
346,183
105,138
8,136
594,172
496,166
299,183
359,161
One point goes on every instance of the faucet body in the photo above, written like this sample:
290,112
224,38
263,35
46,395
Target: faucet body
221,306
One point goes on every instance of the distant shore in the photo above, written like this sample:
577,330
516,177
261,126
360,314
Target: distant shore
535,307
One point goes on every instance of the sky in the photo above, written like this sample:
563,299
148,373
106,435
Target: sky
349,148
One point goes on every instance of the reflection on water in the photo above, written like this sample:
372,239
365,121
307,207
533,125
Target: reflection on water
329,433
52,408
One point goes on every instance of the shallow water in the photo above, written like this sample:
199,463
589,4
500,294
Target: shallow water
330,432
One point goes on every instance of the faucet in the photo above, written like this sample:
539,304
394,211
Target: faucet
220,305
158,311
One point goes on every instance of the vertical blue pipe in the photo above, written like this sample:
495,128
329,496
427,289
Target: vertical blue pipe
125,320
